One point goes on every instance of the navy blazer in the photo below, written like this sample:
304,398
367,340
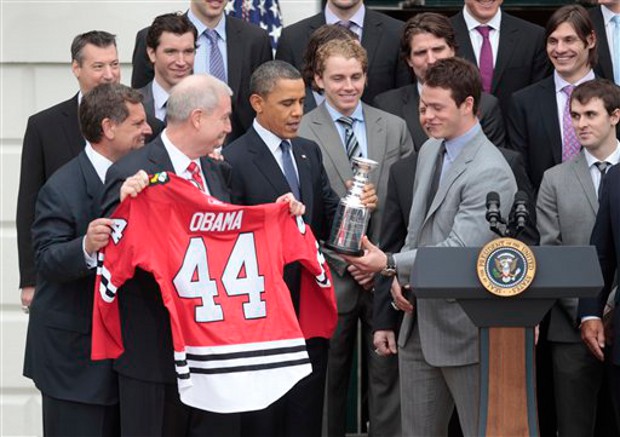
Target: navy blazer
58,343
145,322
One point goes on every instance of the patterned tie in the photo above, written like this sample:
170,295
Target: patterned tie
616,51
216,62
350,141
289,168
436,177
602,166
570,143
486,58
194,171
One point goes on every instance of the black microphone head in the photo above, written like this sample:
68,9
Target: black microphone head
492,197
521,196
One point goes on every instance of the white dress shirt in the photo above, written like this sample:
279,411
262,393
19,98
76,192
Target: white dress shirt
475,36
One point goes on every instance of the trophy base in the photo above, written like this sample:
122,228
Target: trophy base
344,250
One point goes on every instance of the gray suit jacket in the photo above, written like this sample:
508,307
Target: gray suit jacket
566,209
388,141
456,218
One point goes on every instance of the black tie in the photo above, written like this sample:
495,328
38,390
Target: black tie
436,177
602,167
289,168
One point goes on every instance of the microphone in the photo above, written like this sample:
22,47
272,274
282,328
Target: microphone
521,213
493,214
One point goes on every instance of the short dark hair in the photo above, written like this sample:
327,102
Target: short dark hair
323,34
97,38
176,22
602,89
579,19
265,77
459,76
108,100
427,22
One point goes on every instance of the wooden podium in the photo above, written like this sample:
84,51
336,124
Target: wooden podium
507,363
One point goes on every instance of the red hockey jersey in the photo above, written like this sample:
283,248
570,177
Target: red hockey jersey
237,343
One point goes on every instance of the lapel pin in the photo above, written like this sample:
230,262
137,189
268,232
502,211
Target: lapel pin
303,156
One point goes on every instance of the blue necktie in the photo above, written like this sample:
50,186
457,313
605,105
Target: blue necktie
616,50
216,62
289,169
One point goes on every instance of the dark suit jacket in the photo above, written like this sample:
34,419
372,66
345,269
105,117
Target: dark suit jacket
604,67
396,220
145,322
404,102
248,47
149,107
521,55
380,38
606,238
52,139
257,178
58,343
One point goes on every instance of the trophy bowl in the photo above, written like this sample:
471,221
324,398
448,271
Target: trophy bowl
351,219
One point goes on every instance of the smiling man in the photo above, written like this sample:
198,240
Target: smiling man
571,47
171,47
344,128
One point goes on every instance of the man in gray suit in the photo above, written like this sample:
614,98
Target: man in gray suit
345,128
438,344
567,206
171,48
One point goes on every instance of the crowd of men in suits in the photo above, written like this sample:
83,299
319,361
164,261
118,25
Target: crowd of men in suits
450,108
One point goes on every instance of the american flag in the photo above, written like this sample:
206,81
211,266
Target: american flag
265,13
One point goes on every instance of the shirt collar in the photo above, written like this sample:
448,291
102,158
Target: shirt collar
472,23
456,145
607,14
357,18
612,159
357,115
560,83
160,95
271,140
99,162
220,29
179,160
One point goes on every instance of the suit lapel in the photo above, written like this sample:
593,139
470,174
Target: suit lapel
158,156
331,143
604,57
305,175
508,40
215,183
376,135
466,50
71,126
582,172
234,46
92,183
266,164
548,106
371,35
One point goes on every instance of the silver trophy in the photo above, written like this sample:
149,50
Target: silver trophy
352,216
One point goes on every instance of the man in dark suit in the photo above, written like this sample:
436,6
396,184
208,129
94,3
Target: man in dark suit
53,138
228,48
171,47
567,206
267,161
379,36
606,25
80,397
427,38
198,121
517,48
538,121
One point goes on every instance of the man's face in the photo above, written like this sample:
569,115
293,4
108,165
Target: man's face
343,81
426,49
483,10
99,65
439,115
173,59
208,10
568,53
344,4
593,125
131,133
215,125
281,110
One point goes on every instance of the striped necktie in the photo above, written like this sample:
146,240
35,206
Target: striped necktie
350,141
216,61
